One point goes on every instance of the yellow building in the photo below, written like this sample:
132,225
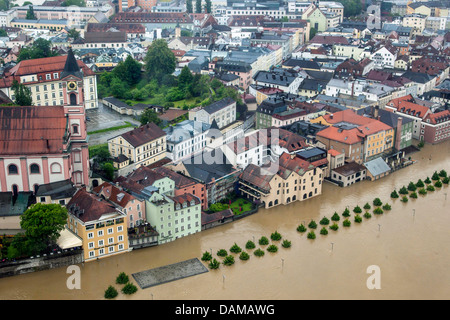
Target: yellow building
375,136
142,146
101,227
293,179
53,25
379,138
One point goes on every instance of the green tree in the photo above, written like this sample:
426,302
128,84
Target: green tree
312,32
3,33
109,170
208,6
420,184
122,278
149,116
357,209
185,78
335,217
214,264
78,3
235,248
228,261
276,236
263,241
129,288
206,256
30,14
73,33
377,202
351,7
159,60
189,7
198,6
41,48
119,88
128,71
42,224
244,256
22,94
412,186
111,293
250,245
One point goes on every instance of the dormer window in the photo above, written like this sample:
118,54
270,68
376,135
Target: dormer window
48,77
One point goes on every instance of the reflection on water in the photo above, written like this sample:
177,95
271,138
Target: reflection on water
410,244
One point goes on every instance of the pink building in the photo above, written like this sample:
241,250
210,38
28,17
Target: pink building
45,144
41,145
133,207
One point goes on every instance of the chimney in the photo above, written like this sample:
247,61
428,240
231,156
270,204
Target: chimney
398,136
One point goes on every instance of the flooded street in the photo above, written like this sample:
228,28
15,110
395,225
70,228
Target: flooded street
410,244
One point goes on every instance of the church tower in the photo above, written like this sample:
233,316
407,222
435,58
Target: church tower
72,78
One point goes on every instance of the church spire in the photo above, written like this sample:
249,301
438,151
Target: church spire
71,67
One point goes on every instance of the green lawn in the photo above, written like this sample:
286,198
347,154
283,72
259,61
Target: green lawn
245,204
127,125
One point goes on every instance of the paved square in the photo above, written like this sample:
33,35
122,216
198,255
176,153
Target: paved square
172,272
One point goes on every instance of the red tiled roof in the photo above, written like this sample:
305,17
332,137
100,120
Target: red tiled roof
333,152
347,115
329,39
180,180
32,130
143,134
410,108
114,194
185,198
145,176
42,65
48,65
248,142
438,116
351,136
89,206
286,139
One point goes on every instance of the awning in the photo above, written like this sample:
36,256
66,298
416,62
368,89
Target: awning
68,240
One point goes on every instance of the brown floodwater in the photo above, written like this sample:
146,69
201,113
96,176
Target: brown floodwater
410,244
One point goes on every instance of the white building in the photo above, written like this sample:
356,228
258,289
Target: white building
384,58
223,112
186,139
251,149
6,17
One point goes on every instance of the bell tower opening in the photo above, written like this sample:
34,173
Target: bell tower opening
73,99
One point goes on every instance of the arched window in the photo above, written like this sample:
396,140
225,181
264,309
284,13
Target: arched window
12,169
55,168
75,129
34,168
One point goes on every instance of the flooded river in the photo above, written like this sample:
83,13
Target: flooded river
410,244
